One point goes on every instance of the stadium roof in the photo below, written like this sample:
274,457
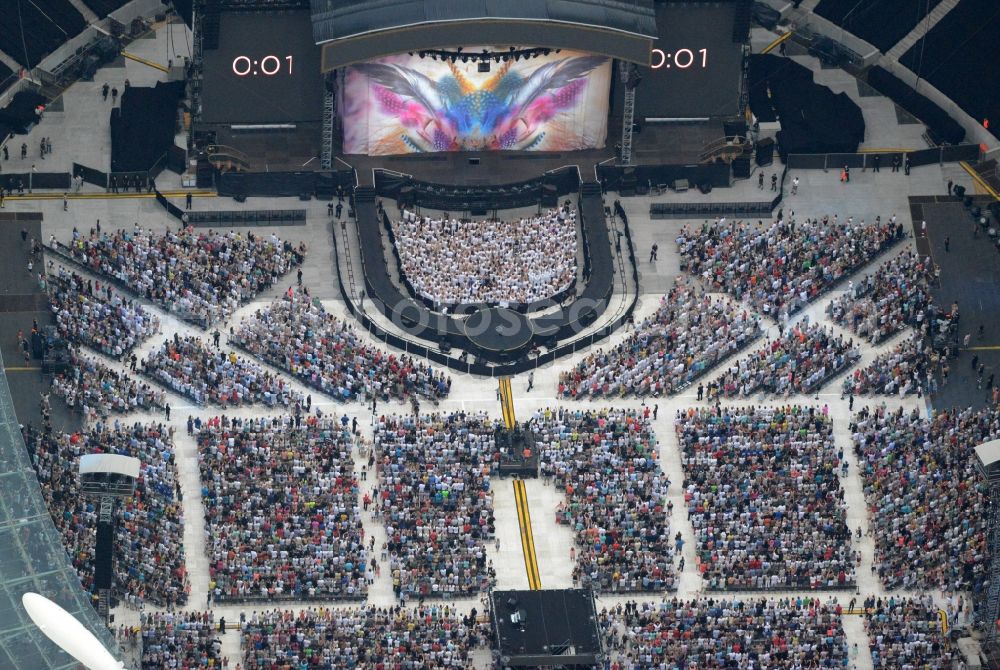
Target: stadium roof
358,30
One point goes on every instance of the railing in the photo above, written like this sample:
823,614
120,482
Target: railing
218,153
736,144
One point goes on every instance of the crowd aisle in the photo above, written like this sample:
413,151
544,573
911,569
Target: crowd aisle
688,334
764,498
607,463
450,262
282,509
297,334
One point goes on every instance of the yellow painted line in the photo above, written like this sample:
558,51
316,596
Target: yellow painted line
137,59
774,45
885,150
20,369
944,621
527,537
979,180
993,347
507,403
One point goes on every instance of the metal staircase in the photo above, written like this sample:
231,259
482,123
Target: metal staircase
926,24
224,157
726,148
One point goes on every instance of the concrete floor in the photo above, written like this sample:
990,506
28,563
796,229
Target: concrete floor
80,133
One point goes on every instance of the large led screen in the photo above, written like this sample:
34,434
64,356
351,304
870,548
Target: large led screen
407,104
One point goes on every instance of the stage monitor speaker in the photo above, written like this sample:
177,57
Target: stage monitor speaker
628,183
305,197
239,197
706,187
741,167
765,152
473,161
959,191
550,195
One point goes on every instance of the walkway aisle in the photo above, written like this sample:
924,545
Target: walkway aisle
552,540
854,628
380,593
196,541
508,560
690,582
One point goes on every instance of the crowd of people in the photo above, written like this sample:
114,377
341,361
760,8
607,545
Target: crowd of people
800,360
298,335
688,334
179,641
97,391
435,497
607,463
193,369
450,262
93,314
896,295
781,266
202,276
905,632
928,504
149,547
785,634
763,495
902,371
283,519
367,638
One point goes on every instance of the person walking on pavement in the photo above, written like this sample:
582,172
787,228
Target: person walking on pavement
531,381
760,181
652,252
104,91
187,200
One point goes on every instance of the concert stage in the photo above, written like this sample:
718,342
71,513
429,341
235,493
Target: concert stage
546,628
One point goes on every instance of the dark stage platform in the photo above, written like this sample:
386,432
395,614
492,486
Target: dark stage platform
970,275
546,628
21,302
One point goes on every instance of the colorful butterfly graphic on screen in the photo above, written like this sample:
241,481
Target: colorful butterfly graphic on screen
507,111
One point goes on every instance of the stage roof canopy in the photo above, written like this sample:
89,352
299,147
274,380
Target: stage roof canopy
353,31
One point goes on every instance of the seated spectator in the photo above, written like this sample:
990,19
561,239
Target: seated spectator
902,371
366,638
906,633
928,504
896,295
201,276
97,390
326,353
763,496
780,267
682,340
607,464
149,526
804,358
98,317
436,500
451,262
785,634
281,509
189,367
181,640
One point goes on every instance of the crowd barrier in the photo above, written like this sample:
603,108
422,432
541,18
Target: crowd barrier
862,161
623,178
250,217
323,185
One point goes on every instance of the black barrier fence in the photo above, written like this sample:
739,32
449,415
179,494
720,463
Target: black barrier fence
172,209
285,184
640,177
515,367
545,190
249,217
59,181
90,175
932,156
468,308
698,210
